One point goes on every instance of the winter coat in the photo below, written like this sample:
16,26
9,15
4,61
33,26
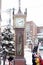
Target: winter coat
37,60
33,59
41,61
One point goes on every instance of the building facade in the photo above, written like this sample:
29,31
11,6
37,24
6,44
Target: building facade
34,33
31,32
40,33
0,5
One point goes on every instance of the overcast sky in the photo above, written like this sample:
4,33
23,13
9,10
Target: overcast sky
34,9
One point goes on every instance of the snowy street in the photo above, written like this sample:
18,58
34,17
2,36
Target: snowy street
28,56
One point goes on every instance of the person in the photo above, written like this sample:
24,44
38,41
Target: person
33,59
37,60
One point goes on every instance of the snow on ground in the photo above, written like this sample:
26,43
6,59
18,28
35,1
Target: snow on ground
28,56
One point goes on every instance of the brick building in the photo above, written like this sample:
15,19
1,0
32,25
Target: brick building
0,6
40,33
31,32
34,33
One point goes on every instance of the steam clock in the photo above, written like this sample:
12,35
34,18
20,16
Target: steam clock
19,20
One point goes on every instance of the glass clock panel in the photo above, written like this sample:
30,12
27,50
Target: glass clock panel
19,22
19,44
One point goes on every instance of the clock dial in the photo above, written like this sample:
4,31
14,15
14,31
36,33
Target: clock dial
19,22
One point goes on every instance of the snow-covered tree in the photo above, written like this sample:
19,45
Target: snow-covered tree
8,43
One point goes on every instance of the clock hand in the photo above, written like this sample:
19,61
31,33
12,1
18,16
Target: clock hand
20,21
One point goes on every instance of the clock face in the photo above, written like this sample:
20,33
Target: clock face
19,22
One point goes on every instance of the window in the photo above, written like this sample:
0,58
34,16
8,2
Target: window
27,37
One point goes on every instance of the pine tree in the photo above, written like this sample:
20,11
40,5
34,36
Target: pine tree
8,44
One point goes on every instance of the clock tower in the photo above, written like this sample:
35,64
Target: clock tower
19,21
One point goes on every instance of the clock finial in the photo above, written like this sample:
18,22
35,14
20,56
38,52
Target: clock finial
19,11
19,4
